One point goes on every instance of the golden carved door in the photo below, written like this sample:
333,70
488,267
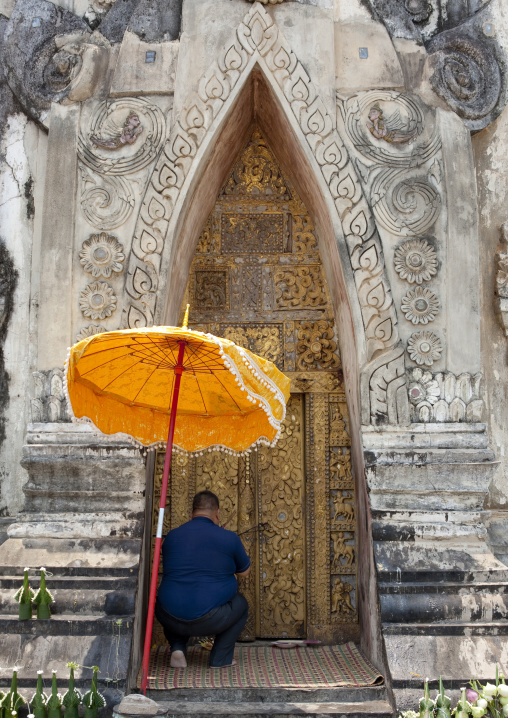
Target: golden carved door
257,279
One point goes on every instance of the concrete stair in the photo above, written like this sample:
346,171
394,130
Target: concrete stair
254,703
92,623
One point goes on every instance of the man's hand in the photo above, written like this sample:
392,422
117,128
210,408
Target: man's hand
244,573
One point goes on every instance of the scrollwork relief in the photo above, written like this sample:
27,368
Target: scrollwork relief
405,205
263,340
106,202
300,286
122,137
258,175
400,152
316,346
211,289
466,75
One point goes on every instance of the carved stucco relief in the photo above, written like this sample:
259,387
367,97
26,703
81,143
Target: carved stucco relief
259,38
117,142
400,167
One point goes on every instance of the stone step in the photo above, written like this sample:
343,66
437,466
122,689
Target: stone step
102,556
62,625
466,588
447,628
421,607
79,601
76,582
344,694
220,709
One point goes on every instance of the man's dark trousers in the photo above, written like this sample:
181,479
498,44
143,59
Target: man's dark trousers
225,623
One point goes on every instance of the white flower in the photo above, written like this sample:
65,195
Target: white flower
420,305
415,261
97,300
102,254
424,347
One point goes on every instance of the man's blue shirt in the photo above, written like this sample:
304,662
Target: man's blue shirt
200,560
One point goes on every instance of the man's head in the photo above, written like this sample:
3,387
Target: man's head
206,503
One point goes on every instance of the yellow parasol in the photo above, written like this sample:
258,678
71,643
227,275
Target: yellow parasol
182,388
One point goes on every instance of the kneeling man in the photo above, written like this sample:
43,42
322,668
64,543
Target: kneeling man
199,595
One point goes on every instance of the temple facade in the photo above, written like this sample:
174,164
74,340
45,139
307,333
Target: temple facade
324,183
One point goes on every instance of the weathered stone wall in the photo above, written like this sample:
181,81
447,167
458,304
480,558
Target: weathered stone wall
490,148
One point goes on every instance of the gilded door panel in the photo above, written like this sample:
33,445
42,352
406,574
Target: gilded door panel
281,501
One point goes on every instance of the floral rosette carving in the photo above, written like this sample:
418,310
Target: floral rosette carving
101,255
97,300
424,347
420,305
90,331
415,261
422,388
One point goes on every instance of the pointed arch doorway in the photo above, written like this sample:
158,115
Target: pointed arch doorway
257,278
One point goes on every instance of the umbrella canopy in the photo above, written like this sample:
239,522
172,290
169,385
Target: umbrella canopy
123,381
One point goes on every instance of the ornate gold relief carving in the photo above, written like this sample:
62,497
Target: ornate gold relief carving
211,289
299,287
256,174
252,233
281,503
265,340
304,239
316,346
312,381
219,473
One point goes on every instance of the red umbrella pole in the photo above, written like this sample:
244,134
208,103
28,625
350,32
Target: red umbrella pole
162,505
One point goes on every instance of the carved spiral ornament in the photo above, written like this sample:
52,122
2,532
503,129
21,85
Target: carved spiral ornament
467,76
106,202
419,10
407,206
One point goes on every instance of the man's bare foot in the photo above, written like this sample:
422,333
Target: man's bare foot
178,660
